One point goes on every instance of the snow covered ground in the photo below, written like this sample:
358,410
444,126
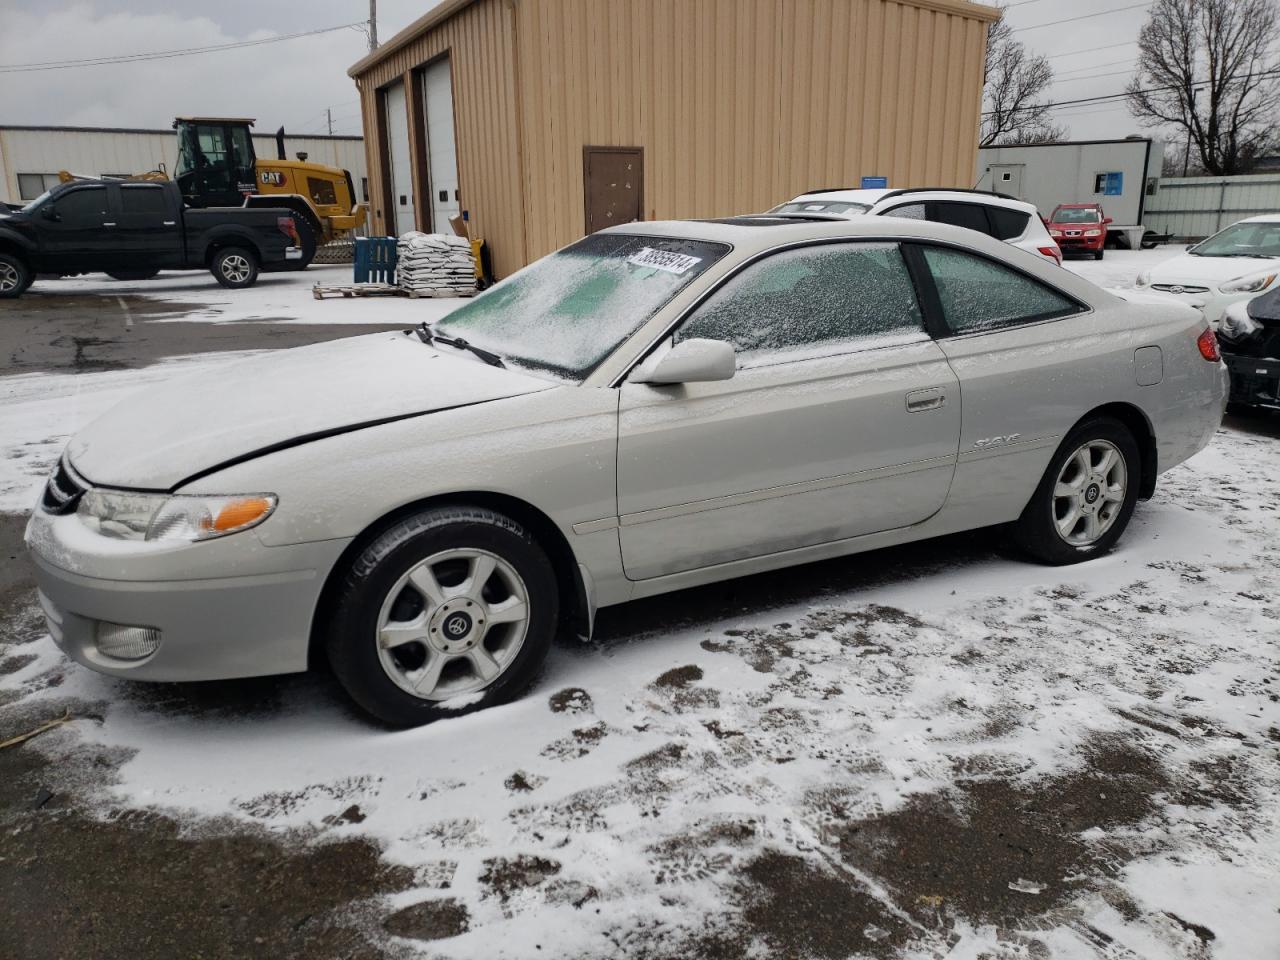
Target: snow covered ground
926,752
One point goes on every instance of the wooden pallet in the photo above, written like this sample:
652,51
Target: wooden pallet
357,290
438,295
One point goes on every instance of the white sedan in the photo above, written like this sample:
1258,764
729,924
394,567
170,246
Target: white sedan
1240,263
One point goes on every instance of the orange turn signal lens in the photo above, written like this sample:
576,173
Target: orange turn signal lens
239,513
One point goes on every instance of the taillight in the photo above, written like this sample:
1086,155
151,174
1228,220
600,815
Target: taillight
287,227
1208,345
1053,253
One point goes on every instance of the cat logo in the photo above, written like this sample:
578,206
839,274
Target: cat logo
272,178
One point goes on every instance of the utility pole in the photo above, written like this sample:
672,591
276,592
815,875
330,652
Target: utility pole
373,25
328,115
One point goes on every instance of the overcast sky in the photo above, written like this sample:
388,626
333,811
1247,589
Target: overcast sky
292,82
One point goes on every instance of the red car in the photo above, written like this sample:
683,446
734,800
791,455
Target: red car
1079,228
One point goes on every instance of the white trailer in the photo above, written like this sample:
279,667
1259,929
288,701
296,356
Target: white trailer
1118,174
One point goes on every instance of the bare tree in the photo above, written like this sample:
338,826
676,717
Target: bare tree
1204,69
1014,109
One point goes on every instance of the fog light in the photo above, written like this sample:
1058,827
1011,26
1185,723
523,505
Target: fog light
126,643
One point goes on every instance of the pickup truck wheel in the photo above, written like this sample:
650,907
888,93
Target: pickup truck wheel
235,268
131,274
15,276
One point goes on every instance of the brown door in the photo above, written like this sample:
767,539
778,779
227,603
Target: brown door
614,179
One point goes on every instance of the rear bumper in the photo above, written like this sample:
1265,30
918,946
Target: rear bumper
1254,381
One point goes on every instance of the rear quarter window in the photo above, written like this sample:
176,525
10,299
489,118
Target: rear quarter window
1008,224
979,295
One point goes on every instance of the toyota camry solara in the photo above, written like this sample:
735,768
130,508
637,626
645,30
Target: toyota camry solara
656,406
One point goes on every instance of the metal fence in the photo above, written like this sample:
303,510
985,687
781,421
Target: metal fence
1192,208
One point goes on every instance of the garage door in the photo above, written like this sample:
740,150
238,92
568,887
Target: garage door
442,155
400,217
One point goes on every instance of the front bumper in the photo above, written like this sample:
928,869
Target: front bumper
241,609
1081,244
1255,381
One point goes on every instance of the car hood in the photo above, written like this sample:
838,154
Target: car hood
164,435
1210,271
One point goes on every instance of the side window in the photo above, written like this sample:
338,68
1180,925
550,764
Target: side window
978,294
911,211
971,216
1008,224
322,191
809,297
82,208
143,200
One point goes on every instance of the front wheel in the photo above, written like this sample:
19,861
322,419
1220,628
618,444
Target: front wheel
448,611
15,276
235,268
1099,253
1086,497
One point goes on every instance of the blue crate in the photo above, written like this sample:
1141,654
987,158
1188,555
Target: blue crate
375,260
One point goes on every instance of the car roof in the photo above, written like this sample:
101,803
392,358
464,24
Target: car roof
872,197
753,234
1078,206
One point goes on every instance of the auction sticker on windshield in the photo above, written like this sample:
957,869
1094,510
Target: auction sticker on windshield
676,263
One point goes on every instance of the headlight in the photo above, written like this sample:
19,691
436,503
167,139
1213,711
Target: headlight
1144,280
1093,233
160,516
1055,233
1251,284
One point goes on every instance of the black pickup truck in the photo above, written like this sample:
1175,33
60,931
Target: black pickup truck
133,230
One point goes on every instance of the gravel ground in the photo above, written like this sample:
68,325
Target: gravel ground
930,751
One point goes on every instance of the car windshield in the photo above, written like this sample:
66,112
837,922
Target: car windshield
565,313
37,201
1077,215
822,206
1242,240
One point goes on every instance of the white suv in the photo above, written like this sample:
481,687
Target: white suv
994,214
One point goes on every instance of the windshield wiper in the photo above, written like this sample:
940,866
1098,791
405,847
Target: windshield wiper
426,336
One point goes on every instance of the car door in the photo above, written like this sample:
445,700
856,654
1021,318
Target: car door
147,228
77,230
842,419
1030,365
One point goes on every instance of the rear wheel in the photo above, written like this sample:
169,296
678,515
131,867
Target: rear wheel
131,274
1086,497
448,611
15,276
235,268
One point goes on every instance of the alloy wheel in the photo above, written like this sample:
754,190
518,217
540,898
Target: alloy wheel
235,268
452,624
9,278
1090,492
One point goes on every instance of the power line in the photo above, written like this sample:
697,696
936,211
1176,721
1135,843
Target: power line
1087,16
1072,53
162,54
1120,96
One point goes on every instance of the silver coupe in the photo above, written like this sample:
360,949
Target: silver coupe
656,406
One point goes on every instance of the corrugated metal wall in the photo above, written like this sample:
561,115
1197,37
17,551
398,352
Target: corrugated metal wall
738,104
742,104
1197,207
481,45
95,152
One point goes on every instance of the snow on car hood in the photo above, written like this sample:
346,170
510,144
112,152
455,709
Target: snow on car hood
165,434
1209,271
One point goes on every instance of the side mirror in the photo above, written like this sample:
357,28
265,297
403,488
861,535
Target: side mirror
50,212
690,361
1106,220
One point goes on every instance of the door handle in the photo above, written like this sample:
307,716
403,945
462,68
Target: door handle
111,224
170,223
921,401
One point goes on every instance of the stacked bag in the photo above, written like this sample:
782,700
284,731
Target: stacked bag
435,265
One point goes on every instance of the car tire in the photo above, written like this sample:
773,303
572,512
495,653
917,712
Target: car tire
15,276
1046,530
1099,253
131,274
235,268
412,636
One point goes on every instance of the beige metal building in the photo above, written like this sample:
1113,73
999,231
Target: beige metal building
30,157
545,119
